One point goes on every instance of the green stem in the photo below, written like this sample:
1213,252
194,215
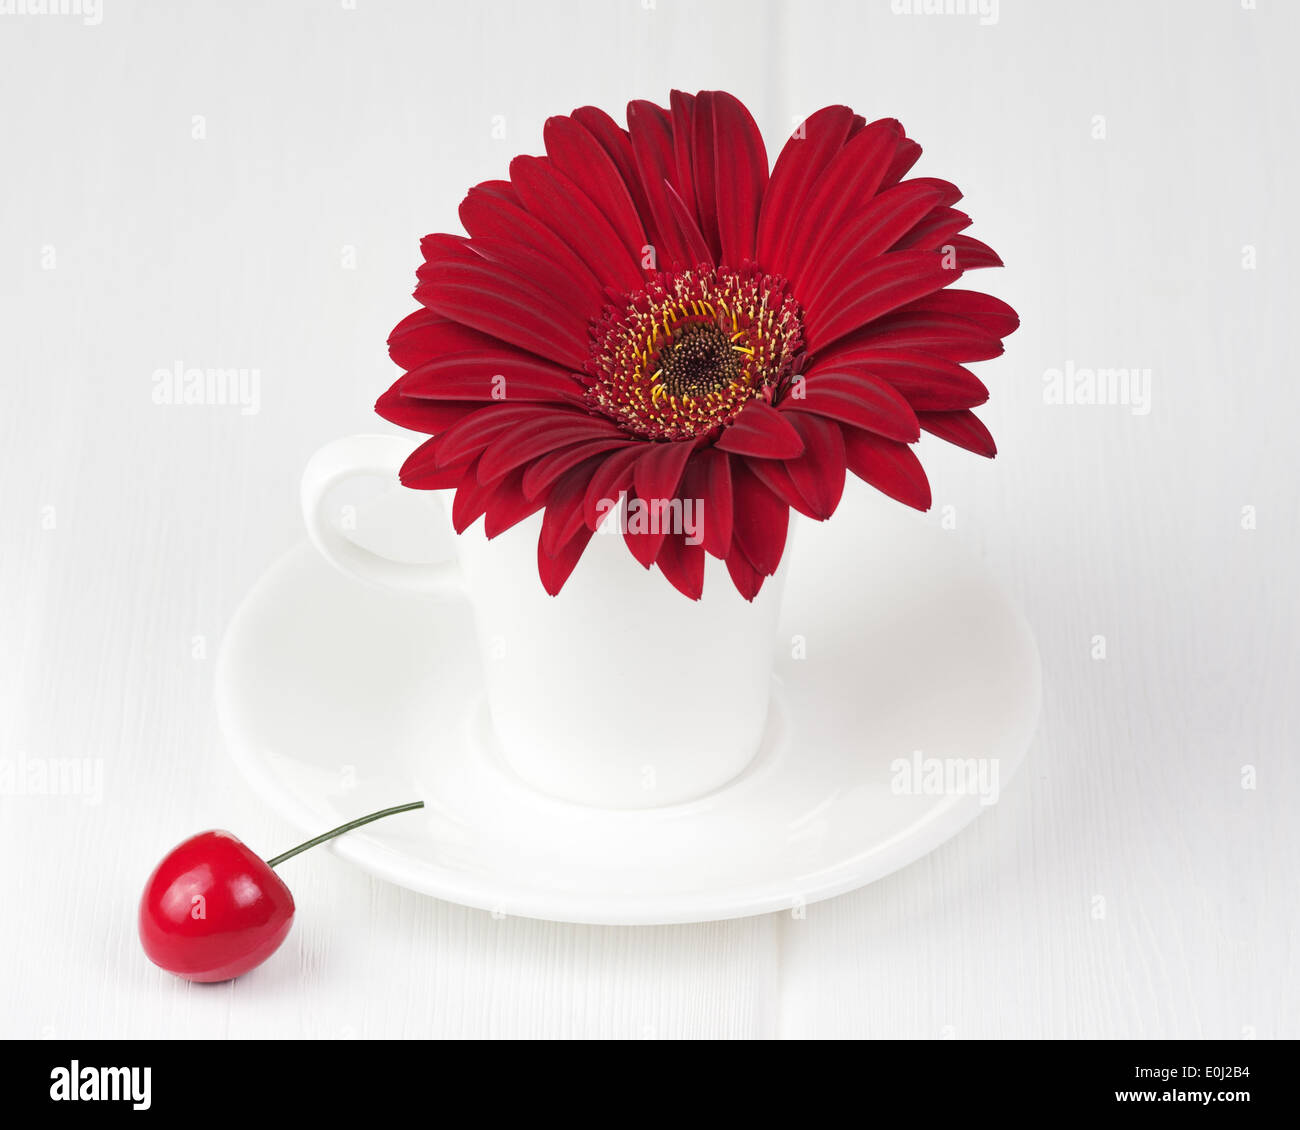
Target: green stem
341,829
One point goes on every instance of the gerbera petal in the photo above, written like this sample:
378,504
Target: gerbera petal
889,466
555,569
419,415
740,172
859,398
617,143
608,481
989,313
470,435
973,255
470,502
936,230
885,284
775,475
907,155
576,292
437,246
761,430
424,335
525,442
652,145
507,504
502,374
564,516
420,471
564,208
946,335
852,175
869,233
659,471
427,462
646,527
498,190
682,562
707,481
744,576
927,381
801,160
761,519
704,169
819,472
697,248
543,472
949,193
962,428
580,156
491,299
681,112
491,215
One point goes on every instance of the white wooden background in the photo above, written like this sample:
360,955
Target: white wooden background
1123,157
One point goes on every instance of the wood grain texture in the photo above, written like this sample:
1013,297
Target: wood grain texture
1125,885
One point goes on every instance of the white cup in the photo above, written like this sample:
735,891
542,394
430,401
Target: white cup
620,692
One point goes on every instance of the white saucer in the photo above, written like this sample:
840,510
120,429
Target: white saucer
335,704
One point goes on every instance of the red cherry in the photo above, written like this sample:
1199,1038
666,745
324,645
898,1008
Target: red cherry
212,909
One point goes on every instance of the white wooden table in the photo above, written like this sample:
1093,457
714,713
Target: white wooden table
243,186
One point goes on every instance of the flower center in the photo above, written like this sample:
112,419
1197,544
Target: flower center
684,356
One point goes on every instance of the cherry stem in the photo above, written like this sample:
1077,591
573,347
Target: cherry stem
341,829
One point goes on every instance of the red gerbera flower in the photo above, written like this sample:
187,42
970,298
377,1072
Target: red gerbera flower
649,311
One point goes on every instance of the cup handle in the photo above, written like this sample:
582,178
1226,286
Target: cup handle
346,458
